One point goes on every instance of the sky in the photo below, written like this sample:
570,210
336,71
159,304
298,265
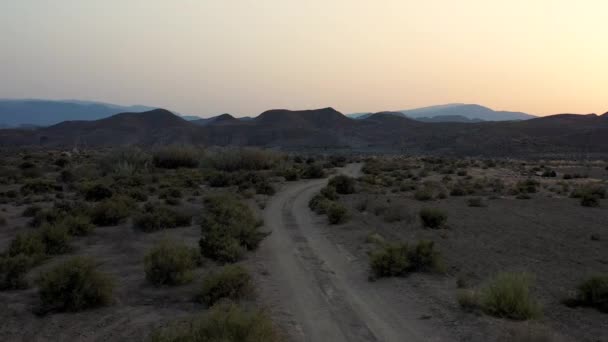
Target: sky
207,57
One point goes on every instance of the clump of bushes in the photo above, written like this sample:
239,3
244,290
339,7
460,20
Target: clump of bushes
507,295
170,263
319,204
337,213
228,229
75,285
37,187
29,244
433,218
112,211
173,157
13,270
78,225
398,259
593,292
56,239
225,322
232,282
97,192
476,202
312,171
344,185
423,194
156,218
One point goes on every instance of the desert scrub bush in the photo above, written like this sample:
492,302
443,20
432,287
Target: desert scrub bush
529,186
125,162
337,213
508,296
593,292
313,171
476,202
291,174
31,211
170,263
397,213
13,270
56,239
433,218
423,194
112,211
173,157
38,187
319,204
344,185
78,225
424,257
75,285
390,260
156,218
29,244
96,192
3,221
588,200
226,322
468,300
237,159
264,188
228,228
232,282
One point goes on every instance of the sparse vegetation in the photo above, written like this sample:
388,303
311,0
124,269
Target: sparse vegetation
231,282
397,259
228,228
156,218
507,295
593,292
75,285
173,157
170,263
225,322
344,185
433,218
337,213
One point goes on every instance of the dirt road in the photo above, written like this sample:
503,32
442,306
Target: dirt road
318,290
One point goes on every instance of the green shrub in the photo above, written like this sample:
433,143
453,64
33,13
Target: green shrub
232,282
13,270
313,171
225,322
433,218
389,261
78,225
112,211
228,228
170,263
174,157
593,292
138,195
589,200
424,257
3,221
337,213
159,217
467,299
31,211
29,244
75,285
56,239
508,295
343,184
97,192
476,202
37,187
264,188
528,186
423,195
291,174
237,159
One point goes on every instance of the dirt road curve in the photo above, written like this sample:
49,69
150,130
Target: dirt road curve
321,290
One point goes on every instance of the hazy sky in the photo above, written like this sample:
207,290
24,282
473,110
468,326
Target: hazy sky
244,56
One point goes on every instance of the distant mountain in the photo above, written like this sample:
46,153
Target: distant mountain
562,136
470,111
448,118
15,113
223,119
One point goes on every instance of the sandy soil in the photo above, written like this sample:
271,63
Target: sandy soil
138,306
319,291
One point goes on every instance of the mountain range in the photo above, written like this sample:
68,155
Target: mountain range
455,112
564,135
40,113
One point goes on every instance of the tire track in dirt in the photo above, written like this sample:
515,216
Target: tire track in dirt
321,290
